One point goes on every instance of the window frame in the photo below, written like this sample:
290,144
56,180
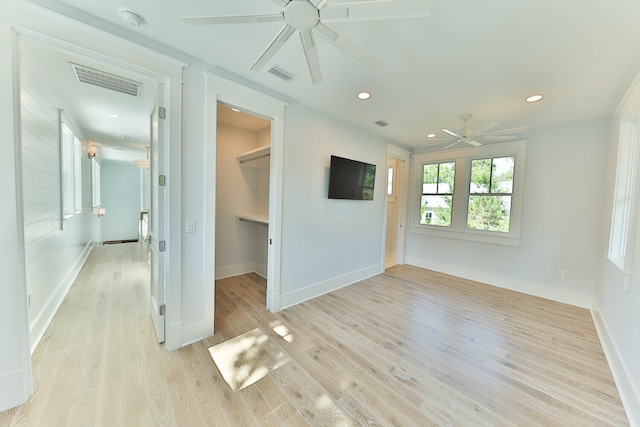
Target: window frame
95,183
626,192
460,204
437,193
70,172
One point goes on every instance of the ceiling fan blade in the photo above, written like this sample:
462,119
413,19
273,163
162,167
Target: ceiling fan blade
318,3
347,46
449,132
239,19
473,142
375,10
311,55
284,34
498,138
450,145
506,131
484,128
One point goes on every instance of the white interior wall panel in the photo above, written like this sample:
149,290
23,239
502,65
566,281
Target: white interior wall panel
52,256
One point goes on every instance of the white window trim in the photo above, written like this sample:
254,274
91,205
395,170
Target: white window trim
623,218
463,157
95,183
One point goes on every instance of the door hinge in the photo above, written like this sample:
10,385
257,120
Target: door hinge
162,180
162,112
162,245
161,310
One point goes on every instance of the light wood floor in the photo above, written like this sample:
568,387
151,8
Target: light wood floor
408,347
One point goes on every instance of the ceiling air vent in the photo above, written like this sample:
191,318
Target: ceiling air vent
105,80
281,73
381,123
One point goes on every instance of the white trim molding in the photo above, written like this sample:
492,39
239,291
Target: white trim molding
629,394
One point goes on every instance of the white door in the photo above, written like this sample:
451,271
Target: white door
392,214
156,216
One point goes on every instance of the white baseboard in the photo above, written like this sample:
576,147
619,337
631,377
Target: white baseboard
536,289
13,389
629,393
39,325
292,298
238,269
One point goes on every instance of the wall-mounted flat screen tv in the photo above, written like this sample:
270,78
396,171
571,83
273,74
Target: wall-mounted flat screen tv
351,179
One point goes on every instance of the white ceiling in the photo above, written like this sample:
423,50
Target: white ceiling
482,57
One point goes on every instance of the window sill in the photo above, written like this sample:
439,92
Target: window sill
624,272
473,236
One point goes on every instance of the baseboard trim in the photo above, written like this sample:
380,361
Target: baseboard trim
313,291
629,395
530,288
238,269
10,383
39,325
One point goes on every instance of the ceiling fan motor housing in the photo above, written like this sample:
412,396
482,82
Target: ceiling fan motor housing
301,15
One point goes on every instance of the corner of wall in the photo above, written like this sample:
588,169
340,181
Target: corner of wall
629,395
301,295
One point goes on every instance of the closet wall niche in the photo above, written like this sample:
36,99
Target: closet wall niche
242,193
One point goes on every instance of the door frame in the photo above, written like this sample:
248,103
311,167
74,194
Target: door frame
219,89
403,155
26,21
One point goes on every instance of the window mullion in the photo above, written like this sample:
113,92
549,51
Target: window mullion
461,195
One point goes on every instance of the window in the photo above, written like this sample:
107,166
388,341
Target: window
390,181
95,182
490,192
471,194
437,193
625,197
71,173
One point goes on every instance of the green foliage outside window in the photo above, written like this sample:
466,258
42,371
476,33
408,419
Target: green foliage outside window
437,193
490,192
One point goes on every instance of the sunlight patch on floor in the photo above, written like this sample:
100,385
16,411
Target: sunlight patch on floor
243,360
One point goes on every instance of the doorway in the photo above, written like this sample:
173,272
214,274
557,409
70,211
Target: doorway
397,184
242,192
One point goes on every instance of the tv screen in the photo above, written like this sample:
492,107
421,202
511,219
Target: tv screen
351,179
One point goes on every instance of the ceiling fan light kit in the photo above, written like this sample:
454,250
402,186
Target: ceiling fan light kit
309,18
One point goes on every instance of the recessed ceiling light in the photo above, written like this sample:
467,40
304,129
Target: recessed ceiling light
364,95
431,135
534,98
115,116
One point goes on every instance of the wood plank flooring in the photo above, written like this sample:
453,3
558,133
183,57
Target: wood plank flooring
409,347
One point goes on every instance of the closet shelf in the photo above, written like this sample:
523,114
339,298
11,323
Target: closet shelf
258,219
256,158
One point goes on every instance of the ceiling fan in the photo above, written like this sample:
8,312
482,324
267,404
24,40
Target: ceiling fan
309,18
471,136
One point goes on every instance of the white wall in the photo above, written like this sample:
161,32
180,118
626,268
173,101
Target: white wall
616,308
238,190
560,227
327,244
15,366
53,257
120,195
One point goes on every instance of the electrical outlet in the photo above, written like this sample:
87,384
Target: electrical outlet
566,274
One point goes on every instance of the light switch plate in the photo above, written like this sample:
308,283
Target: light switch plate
190,226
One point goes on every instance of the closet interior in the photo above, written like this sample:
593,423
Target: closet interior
242,192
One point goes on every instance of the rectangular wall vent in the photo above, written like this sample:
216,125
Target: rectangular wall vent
281,73
105,80
381,123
